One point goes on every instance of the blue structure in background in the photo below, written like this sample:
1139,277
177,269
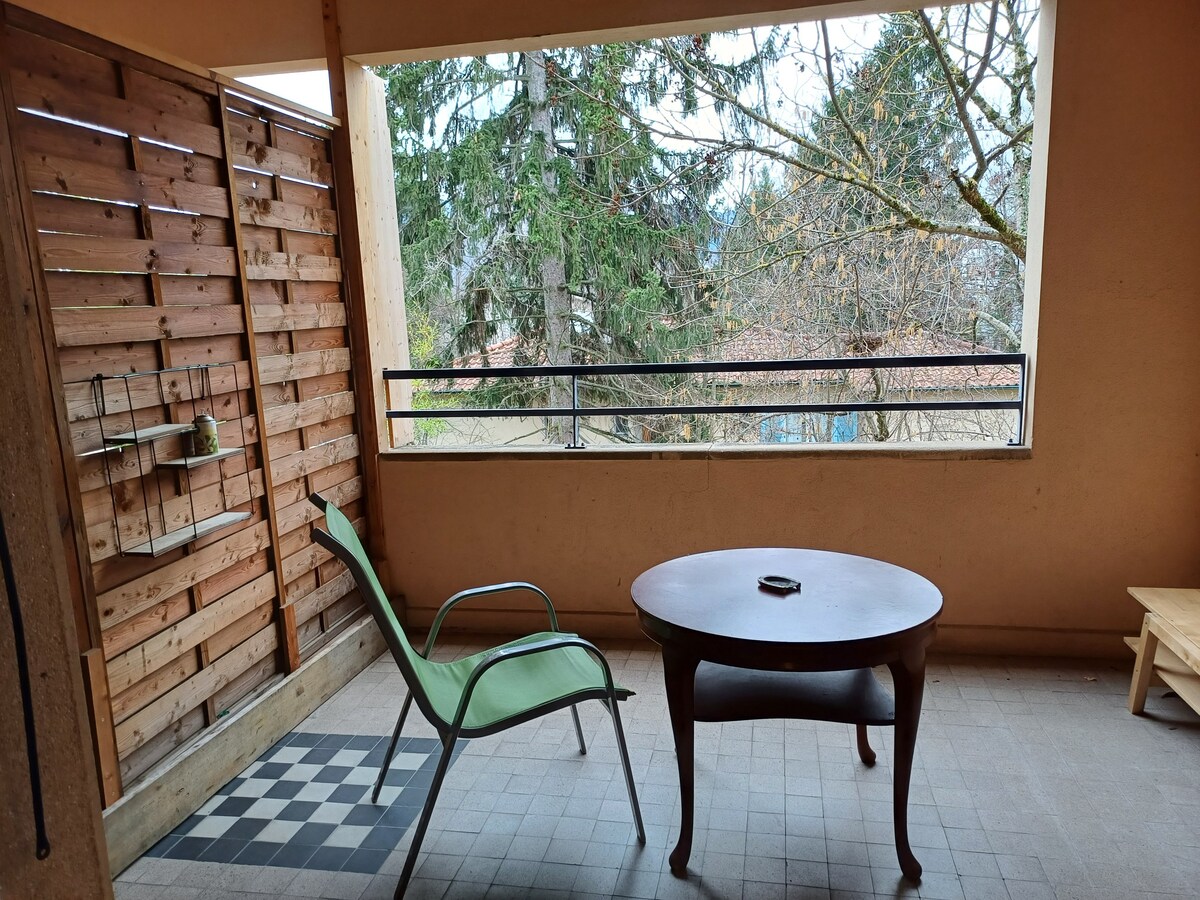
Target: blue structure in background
796,428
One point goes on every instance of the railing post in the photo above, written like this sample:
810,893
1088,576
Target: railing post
575,443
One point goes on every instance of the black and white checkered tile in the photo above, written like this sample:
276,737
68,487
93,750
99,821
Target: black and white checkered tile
306,804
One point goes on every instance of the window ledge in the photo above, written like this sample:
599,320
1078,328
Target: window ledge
929,451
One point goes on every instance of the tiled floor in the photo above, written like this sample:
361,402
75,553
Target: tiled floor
305,804
1032,781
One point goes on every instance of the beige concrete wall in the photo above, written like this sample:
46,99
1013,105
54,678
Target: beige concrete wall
1029,553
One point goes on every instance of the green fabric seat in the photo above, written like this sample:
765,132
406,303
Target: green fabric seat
486,692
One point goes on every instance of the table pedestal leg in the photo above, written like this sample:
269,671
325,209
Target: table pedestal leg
679,670
908,677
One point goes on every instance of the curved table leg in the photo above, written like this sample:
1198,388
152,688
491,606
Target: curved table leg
865,753
679,672
908,676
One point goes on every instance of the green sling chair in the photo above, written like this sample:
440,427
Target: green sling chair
484,693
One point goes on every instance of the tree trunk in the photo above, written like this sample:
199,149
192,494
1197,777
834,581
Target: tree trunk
556,299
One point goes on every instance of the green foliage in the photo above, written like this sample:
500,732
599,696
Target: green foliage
891,198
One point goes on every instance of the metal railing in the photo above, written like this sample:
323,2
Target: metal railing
578,372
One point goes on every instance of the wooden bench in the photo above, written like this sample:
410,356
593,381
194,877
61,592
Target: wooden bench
1168,650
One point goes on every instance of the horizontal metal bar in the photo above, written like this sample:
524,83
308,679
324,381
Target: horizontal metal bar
126,376
988,360
773,408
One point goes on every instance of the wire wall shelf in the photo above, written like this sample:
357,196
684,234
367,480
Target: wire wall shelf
183,390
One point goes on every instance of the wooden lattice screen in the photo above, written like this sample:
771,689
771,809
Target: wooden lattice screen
180,222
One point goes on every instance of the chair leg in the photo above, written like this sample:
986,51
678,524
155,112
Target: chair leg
578,730
624,751
865,753
391,750
448,742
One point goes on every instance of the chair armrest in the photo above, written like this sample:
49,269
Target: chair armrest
484,591
503,654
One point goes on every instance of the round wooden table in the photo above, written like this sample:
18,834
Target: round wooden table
734,650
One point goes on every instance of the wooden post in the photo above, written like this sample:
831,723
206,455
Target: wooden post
379,236
357,303
46,585
72,530
289,652
1143,669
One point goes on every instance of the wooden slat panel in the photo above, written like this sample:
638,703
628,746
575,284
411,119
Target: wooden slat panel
330,479
309,412
303,561
81,327
301,141
260,157
243,98
241,628
246,687
292,267
80,178
157,683
274,369
277,214
304,512
55,60
142,760
314,602
127,669
71,140
120,603
169,96
297,465
310,242
108,254
48,95
193,168
325,385
298,316
81,363
304,194
173,705
156,271
72,215
201,502
188,228
181,290
145,393
150,621
97,289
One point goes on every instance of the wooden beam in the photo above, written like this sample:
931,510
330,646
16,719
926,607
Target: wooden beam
45,580
379,233
168,794
71,540
269,511
356,299
97,687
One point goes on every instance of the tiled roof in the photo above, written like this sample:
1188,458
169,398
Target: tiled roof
763,343
759,342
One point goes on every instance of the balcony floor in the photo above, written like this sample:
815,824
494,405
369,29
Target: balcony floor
1032,781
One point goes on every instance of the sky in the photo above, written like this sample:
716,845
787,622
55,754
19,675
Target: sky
309,89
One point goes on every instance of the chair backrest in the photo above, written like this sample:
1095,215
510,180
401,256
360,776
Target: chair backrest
341,539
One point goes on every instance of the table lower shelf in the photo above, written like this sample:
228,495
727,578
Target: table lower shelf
728,694
1173,672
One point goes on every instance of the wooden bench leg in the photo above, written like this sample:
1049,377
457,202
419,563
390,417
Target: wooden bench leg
1143,668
